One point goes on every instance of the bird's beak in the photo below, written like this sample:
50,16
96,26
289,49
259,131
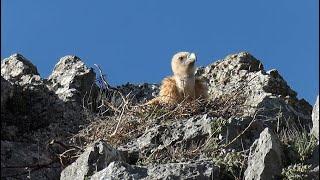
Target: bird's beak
192,57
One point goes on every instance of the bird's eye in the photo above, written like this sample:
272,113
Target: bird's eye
180,58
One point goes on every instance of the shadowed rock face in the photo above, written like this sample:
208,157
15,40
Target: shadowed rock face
16,156
31,104
6,92
35,102
36,111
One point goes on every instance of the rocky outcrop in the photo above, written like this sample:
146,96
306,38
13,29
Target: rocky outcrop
71,79
243,76
33,109
18,70
101,161
265,158
244,100
31,103
37,103
315,119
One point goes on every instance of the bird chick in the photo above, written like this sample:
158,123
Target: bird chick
183,85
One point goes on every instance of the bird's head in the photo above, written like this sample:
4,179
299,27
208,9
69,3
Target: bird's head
183,64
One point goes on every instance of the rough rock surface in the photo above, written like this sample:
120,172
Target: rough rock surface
315,119
265,158
120,170
95,158
188,170
30,105
39,103
31,109
71,79
36,111
18,69
181,133
265,91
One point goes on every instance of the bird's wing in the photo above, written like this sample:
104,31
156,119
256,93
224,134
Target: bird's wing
201,89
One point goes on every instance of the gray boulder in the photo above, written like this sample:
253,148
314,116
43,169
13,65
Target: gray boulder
265,158
95,158
315,119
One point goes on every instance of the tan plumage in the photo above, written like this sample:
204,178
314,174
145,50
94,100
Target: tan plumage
183,85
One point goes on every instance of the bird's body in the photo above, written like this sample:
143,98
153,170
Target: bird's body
183,85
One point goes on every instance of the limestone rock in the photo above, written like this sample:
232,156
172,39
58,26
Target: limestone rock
71,79
31,102
95,158
265,158
188,170
181,133
241,75
16,67
315,119
120,170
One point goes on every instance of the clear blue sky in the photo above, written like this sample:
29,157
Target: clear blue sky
133,41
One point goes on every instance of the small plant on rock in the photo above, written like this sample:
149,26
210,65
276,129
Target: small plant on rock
299,145
296,172
232,162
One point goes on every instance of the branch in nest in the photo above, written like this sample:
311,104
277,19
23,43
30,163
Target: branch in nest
107,85
30,168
